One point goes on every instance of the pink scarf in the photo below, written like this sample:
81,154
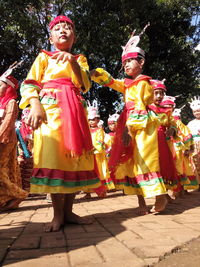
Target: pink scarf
75,127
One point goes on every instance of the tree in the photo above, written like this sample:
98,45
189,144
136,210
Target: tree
102,28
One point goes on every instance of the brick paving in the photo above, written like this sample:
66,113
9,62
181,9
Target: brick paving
118,236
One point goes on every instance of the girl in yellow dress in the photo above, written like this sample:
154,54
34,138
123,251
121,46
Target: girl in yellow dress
184,149
167,127
98,137
181,147
63,151
194,126
134,155
11,192
109,137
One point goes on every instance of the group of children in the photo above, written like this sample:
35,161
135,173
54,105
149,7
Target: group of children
147,152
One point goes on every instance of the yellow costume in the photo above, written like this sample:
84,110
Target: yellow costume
183,163
98,136
194,127
166,157
139,174
56,169
109,139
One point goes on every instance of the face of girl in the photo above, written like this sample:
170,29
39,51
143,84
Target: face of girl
3,87
62,36
133,66
196,113
93,122
158,96
112,126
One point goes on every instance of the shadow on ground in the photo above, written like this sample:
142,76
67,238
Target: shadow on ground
22,240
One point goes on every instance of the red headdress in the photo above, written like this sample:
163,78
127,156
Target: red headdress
59,19
12,84
156,84
113,118
168,100
10,91
131,50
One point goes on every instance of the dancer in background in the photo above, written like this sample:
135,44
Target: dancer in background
109,137
181,146
11,192
98,136
194,126
25,149
166,128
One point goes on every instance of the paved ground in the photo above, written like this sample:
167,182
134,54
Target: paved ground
118,237
187,255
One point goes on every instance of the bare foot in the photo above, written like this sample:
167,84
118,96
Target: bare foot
104,194
87,196
54,226
160,204
142,209
177,195
75,219
11,204
170,199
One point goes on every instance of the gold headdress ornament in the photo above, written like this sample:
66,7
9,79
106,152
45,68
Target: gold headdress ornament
131,50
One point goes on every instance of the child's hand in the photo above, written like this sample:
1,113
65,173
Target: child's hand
170,132
189,151
37,114
94,73
126,138
186,153
63,57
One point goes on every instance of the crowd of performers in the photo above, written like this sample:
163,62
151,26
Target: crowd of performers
59,146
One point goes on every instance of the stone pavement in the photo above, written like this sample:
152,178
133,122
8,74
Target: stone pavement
187,255
118,237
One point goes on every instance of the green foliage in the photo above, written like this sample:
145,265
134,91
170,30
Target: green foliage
102,27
